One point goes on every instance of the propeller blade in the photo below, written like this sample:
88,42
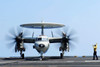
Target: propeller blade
9,37
11,44
22,32
14,36
19,30
72,46
69,34
74,39
12,32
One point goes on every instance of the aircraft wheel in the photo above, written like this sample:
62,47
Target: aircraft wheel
61,55
41,58
22,56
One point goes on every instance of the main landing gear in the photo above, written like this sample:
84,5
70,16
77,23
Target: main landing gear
22,55
62,55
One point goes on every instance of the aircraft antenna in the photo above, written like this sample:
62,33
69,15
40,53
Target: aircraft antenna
33,34
52,33
42,30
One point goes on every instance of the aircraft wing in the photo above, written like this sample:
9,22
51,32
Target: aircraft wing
55,40
28,40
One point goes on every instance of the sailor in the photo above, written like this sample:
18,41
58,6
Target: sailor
95,52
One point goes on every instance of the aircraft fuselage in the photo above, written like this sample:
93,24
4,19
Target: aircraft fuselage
42,44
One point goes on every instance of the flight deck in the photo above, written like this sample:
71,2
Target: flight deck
50,62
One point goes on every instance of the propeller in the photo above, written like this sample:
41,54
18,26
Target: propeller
68,37
69,34
15,37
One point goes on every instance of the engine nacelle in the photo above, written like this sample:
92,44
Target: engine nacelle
64,47
20,46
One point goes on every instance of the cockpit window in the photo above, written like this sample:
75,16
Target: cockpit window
39,38
42,39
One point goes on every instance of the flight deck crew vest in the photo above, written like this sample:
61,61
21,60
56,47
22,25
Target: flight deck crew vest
95,47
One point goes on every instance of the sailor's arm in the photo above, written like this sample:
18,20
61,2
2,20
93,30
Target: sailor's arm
96,45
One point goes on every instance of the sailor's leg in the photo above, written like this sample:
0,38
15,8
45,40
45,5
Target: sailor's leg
96,56
93,57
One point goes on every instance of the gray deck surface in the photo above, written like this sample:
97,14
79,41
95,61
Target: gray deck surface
50,62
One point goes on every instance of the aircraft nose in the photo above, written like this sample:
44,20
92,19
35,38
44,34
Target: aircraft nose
41,45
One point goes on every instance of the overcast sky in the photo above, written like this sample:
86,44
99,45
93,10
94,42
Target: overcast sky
83,16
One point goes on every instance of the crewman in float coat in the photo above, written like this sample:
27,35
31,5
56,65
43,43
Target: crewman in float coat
95,52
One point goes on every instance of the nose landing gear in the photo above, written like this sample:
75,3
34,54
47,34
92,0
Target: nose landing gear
41,57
